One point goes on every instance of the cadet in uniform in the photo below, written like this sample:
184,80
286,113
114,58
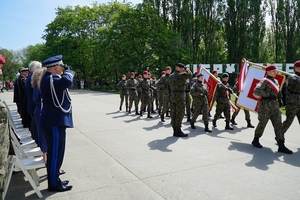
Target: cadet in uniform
268,108
293,98
146,96
222,98
163,84
56,116
200,102
4,137
160,94
177,87
154,95
123,92
133,95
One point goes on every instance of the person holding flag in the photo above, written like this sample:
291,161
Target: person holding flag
223,101
268,108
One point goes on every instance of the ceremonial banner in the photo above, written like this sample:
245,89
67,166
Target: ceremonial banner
211,82
247,99
242,75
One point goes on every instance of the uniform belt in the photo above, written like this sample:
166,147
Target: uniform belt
178,91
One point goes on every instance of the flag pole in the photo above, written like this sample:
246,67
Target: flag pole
263,67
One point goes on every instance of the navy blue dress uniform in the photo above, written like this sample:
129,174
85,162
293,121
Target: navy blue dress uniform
56,116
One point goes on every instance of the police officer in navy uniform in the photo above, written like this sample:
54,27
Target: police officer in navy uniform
56,116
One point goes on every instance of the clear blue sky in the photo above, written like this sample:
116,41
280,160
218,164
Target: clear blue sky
22,22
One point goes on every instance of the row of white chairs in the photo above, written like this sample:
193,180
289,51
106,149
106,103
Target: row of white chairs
28,156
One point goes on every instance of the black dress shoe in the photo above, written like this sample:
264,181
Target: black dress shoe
61,172
66,182
62,188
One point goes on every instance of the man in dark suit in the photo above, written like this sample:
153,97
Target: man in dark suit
56,116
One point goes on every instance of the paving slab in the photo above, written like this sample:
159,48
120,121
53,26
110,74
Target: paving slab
116,155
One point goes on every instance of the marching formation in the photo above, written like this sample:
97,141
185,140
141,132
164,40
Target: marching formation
184,93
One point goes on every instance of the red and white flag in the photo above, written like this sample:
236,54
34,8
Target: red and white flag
247,99
242,75
211,82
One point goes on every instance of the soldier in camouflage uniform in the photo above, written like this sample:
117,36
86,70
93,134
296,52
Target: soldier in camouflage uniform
4,137
222,99
188,100
177,88
163,84
146,100
160,94
293,98
154,95
123,92
133,95
200,102
139,90
268,108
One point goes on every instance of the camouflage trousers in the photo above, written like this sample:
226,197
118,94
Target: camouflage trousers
166,101
291,112
266,113
177,112
188,103
160,99
146,101
247,114
223,107
133,97
198,106
4,144
124,95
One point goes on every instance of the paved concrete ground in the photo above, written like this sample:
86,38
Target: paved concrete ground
115,155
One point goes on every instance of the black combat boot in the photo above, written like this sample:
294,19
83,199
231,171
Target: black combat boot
159,111
249,125
192,125
153,111
120,108
256,143
233,121
228,127
136,112
162,118
149,116
179,133
188,118
167,115
129,110
141,113
206,128
282,148
126,109
214,123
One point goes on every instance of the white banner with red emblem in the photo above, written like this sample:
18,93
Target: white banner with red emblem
247,99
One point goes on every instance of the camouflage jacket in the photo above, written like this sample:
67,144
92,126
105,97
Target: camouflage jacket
131,86
163,84
4,138
264,90
122,86
145,86
199,93
293,88
221,94
177,85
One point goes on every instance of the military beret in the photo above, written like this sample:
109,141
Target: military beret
224,75
53,61
123,75
145,73
140,76
168,68
180,65
214,71
199,75
163,72
297,63
2,59
153,77
24,70
131,73
270,67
